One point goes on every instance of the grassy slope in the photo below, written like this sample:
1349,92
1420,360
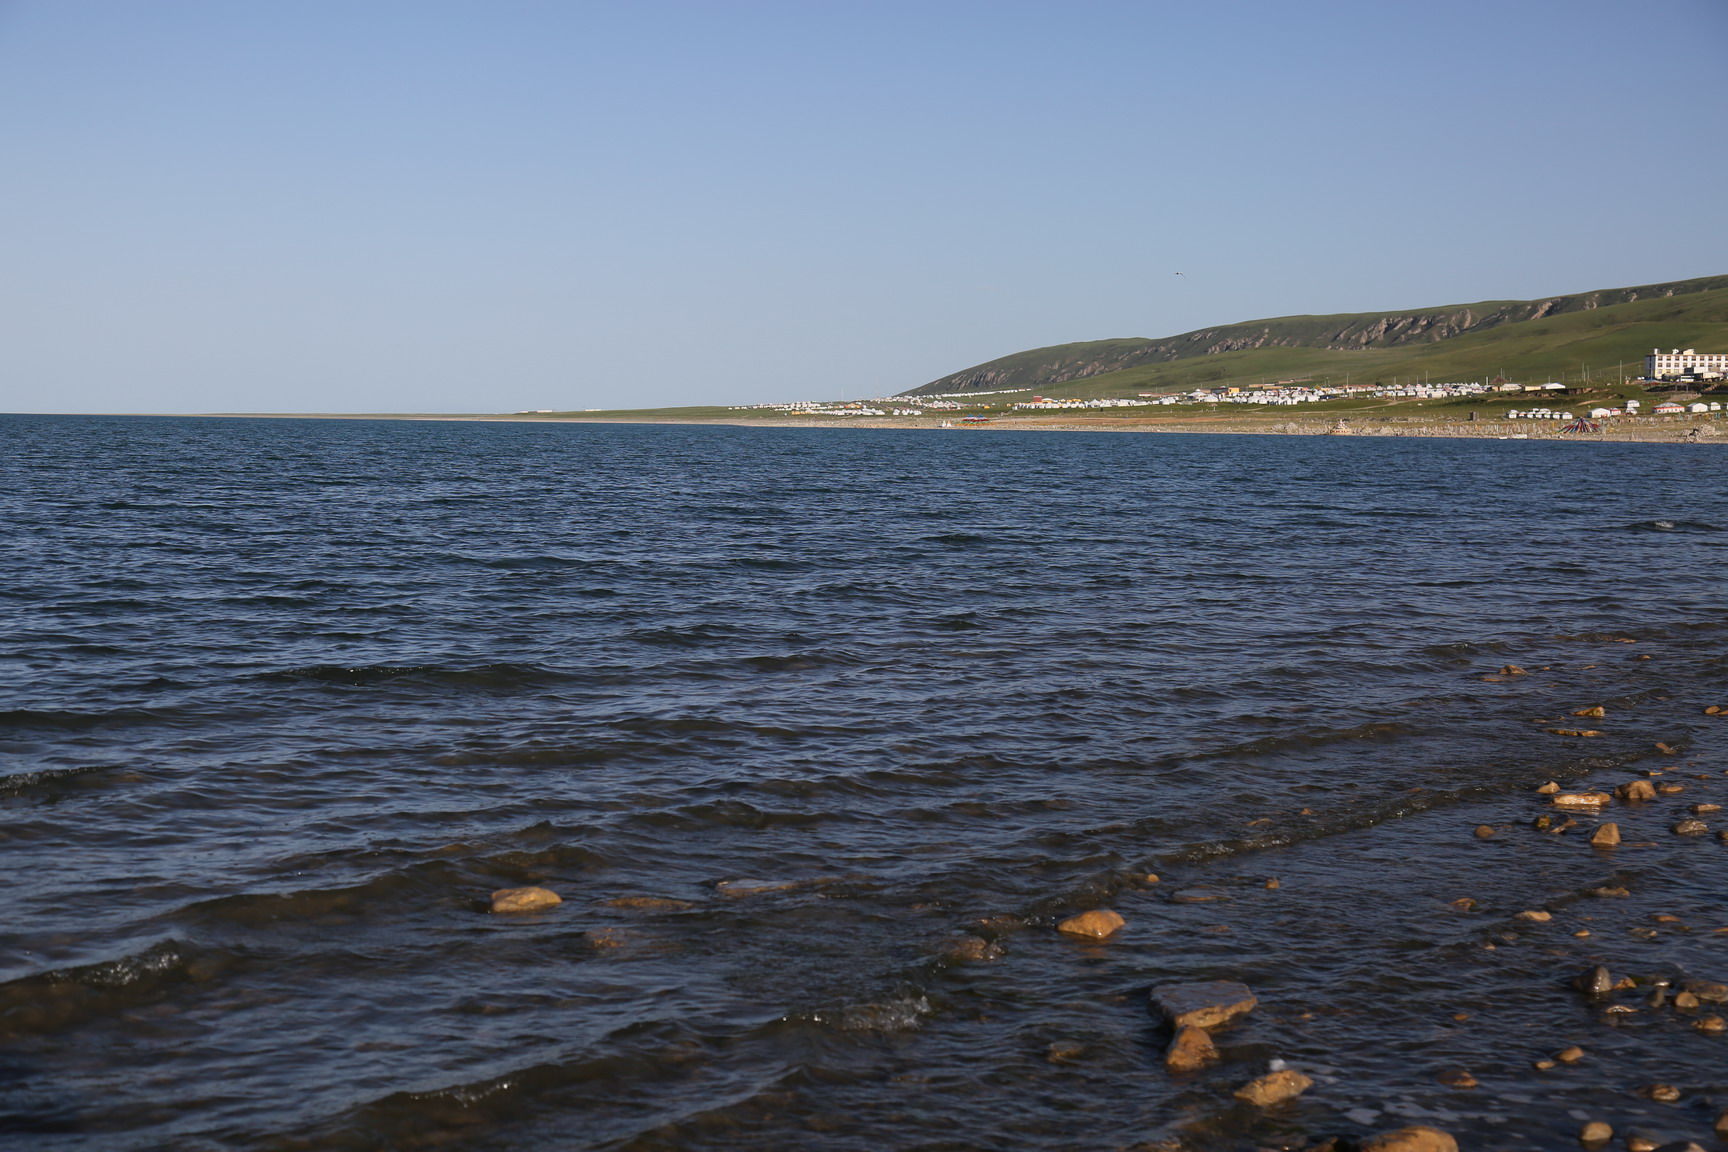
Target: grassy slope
1560,347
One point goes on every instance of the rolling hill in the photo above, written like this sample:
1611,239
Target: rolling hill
1582,336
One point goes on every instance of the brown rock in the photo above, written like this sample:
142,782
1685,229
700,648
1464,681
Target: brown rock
1581,799
1151,878
1484,832
1606,836
1686,1001
524,899
1202,1005
1721,1128
1704,809
1549,788
1537,916
1574,732
1542,1065
1609,892
1715,710
1667,749
1711,1025
1457,1078
1670,789
1709,991
1191,1050
1595,713
1691,828
1414,1139
1272,884
1595,1132
1663,1093
1274,1088
1512,670
1570,1055
1464,903
1596,982
1637,790
1636,1142
1098,924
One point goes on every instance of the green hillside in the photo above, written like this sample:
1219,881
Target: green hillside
1597,335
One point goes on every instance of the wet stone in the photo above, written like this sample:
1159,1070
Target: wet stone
1536,916
1484,832
1598,981
1274,1088
1709,991
1191,1050
1570,1055
1595,1133
969,949
1457,1078
1198,895
1670,789
740,889
1691,828
1065,1052
1663,1093
1415,1139
1202,1005
1096,924
1549,788
1581,799
530,899
1705,809
1595,713
1637,791
1606,836
1686,1002
1711,1025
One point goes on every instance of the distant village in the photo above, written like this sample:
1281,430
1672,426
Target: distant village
1661,369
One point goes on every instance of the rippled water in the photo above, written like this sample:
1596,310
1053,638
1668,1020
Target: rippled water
284,701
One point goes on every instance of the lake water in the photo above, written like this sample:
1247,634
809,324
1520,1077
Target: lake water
284,701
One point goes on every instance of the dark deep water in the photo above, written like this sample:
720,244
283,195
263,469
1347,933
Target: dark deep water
282,702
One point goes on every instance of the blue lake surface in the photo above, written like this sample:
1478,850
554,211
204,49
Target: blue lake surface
283,701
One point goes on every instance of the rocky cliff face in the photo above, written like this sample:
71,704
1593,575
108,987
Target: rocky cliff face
1066,362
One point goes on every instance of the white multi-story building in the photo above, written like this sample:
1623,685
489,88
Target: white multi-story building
1660,365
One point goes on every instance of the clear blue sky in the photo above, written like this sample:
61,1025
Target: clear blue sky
431,205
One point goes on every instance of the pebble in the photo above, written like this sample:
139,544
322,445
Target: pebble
1705,809
1691,828
1202,1005
1272,884
1191,1050
529,899
1098,924
1416,1139
1484,832
1542,1065
1537,916
1570,1055
1670,789
1151,877
1595,713
1637,790
1274,1088
1595,1132
1686,1002
1711,1025
1715,710
1606,836
1549,788
1665,1093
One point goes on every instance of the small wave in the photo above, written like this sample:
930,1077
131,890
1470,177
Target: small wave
50,1002
502,675
905,1012
26,719
1671,526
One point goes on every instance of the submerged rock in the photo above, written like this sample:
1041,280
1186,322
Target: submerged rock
738,889
1512,670
649,904
1274,1088
1457,1078
1663,1093
530,899
1415,1139
1065,1052
1711,1025
1198,895
1191,1050
1595,713
1598,981
1097,924
1202,1005
1709,991
1536,916
1484,831
969,949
